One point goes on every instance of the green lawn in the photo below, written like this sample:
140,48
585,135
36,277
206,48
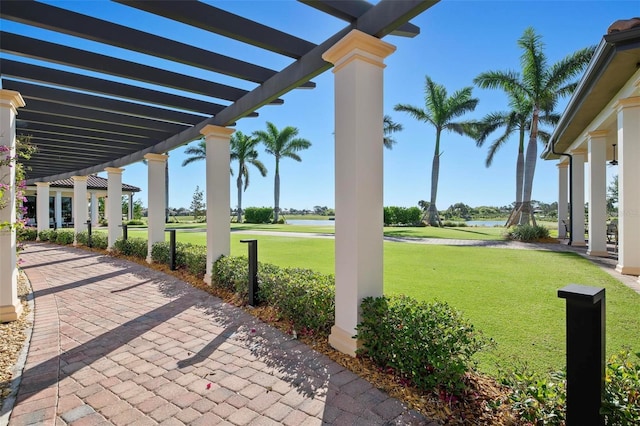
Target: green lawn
511,295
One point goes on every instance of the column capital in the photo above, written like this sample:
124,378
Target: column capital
115,170
597,134
42,184
11,99
220,131
156,157
358,45
79,178
631,102
563,165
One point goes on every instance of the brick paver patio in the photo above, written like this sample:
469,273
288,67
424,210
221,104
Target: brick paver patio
117,343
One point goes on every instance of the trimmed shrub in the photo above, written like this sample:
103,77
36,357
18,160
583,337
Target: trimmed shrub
26,234
541,399
621,405
428,344
132,247
100,240
64,237
402,215
304,297
258,214
528,233
135,222
196,260
160,253
83,238
48,235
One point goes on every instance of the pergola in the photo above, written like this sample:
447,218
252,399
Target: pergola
88,112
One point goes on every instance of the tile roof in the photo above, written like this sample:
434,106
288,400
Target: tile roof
93,182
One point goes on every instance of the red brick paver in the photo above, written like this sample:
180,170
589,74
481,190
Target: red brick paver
117,343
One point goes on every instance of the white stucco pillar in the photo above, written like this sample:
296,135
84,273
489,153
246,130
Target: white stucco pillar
58,209
577,209
94,209
10,306
156,201
563,199
358,73
80,205
629,185
597,142
218,196
130,210
114,193
42,205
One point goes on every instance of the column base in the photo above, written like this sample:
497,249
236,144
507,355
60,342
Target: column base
207,279
597,253
578,243
628,270
343,341
10,312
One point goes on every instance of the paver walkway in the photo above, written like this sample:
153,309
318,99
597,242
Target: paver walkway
116,343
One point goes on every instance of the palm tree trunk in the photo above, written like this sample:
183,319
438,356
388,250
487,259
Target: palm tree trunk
530,168
434,220
514,217
239,184
276,192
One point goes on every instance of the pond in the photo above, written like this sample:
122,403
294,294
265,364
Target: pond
304,222
489,223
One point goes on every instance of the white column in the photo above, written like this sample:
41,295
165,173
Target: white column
130,215
358,69
577,193
628,185
114,193
10,307
563,199
58,209
80,207
42,205
94,209
598,193
156,202
218,196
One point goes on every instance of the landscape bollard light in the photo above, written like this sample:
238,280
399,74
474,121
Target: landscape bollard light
89,233
253,270
124,232
585,353
172,249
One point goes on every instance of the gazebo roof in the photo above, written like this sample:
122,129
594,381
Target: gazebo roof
86,110
93,182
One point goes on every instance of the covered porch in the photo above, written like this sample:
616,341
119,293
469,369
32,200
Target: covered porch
600,131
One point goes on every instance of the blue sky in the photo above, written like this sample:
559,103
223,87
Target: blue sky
458,40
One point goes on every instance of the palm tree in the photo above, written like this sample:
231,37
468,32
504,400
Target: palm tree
243,149
440,112
281,144
518,119
197,152
390,127
542,86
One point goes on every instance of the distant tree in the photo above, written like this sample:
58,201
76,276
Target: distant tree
197,204
440,111
612,196
281,144
424,205
137,208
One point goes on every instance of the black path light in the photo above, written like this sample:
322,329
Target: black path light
253,270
